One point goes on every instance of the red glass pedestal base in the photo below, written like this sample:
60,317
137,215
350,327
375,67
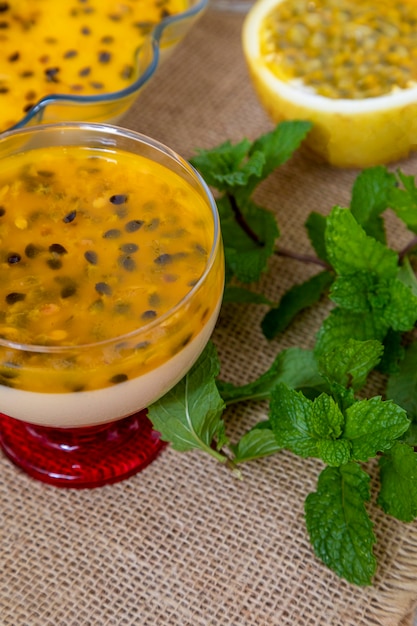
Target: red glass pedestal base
81,457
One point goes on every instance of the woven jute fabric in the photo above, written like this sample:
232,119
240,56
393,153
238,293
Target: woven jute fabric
185,542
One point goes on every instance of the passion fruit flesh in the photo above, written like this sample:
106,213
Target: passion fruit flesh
346,132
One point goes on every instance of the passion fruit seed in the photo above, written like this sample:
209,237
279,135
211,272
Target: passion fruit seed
343,48
91,257
103,289
14,297
13,258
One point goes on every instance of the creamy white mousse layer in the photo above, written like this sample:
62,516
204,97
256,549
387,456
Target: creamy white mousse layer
88,408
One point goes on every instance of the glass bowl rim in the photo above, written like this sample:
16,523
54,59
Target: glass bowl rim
154,37
104,129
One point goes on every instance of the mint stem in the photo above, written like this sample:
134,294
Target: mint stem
305,258
240,219
412,244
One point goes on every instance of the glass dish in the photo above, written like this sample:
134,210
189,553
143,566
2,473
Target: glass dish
110,107
79,361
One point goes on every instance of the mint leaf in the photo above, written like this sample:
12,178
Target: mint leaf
181,415
308,428
257,443
402,386
339,526
316,227
403,201
293,302
351,250
370,197
372,426
350,363
398,475
281,143
295,367
228,165
342,325
241,295
247,258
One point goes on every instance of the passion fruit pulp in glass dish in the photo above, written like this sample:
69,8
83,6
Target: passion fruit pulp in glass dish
111,281
83,60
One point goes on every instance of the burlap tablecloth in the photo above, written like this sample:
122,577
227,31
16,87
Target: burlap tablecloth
184,543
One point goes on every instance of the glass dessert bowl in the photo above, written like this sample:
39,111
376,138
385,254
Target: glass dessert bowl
83,60
111,283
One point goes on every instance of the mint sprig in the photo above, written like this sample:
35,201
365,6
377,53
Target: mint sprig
315,400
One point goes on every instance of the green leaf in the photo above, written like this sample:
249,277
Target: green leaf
401,310
295,367
372,426
293,302
316,228
398,475
351,250
246,258
370,197
308,428
350,363
257,443
189,416
241,295
338,524
280,144
342,325
403,201
402,386
227,166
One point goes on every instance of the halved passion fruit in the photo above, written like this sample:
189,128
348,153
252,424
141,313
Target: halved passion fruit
348,66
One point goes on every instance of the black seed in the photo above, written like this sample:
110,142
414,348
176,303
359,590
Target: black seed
149,315
46,173
104,56
186,340
68,291
70,217
85,30
4,25
85,71
133,226
104,289
2,211
118,378
26,74
127,72
27,108
54,264
113,233
57,248
154,299
14,297
31,251
51,74
163,259
107,39
127,263
91,257
142,345
14,57
118,198
13,258
4,6
69,54
129,248
4,89
96,85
